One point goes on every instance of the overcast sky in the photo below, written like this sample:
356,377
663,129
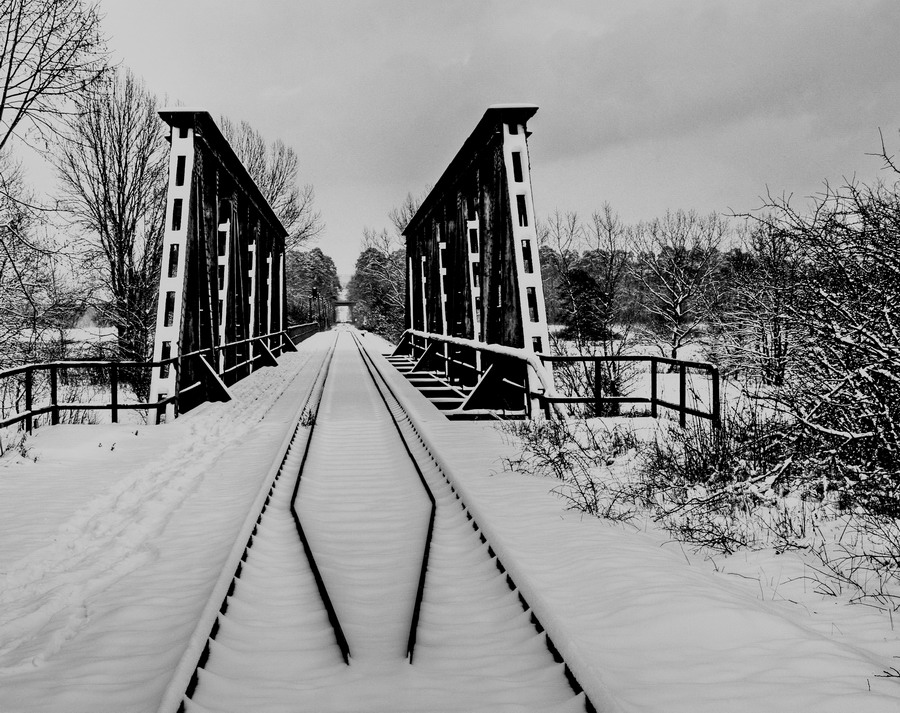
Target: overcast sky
645,105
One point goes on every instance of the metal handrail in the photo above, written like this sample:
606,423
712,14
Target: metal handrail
549,399
654,399
54,367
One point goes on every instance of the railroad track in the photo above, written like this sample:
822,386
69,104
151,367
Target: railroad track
366,585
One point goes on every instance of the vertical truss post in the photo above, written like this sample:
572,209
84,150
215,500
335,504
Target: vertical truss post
174,272
223,253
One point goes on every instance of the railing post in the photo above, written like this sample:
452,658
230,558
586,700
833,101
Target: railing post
716,412
29,381
597,387
654,407
54,409
114,387
177,394
682,394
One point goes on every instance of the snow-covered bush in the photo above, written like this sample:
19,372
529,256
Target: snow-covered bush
703,483
858,557
575,452
842,386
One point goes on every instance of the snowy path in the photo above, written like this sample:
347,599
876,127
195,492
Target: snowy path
365,514
98,602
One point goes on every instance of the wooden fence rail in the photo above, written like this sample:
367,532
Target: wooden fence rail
268,347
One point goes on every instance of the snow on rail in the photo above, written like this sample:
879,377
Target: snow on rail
365,517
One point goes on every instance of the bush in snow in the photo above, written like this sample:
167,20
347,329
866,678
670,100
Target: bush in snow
843,381
574,452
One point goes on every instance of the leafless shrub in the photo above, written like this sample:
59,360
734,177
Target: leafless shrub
862,562
575,453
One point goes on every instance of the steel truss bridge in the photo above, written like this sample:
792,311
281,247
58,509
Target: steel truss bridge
363,576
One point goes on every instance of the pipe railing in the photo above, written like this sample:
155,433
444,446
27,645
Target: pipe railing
536,383
57,371
654,400
530,380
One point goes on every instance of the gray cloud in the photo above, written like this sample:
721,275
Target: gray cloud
377,96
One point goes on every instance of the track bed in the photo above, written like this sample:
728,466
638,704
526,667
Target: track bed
450,636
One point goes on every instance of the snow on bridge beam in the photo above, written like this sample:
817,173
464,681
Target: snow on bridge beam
222,268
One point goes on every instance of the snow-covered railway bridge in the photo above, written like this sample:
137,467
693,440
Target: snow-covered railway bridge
328,539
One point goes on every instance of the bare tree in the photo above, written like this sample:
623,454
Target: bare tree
113,165
274,168
50,52
677,264
588,267
379,284
608,262
755,318
39,299
560,237
20,306
35,297
403,213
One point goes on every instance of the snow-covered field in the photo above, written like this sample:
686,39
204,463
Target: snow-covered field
112,540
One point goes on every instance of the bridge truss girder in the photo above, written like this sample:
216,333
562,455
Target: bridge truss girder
472,255
222,274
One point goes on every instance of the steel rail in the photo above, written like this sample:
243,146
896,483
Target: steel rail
535,622
419,453
339,635
420,590
173,695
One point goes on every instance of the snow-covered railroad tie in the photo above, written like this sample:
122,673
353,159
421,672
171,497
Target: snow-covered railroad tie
397,581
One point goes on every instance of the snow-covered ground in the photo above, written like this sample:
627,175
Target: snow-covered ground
476,649
113,539
646,625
